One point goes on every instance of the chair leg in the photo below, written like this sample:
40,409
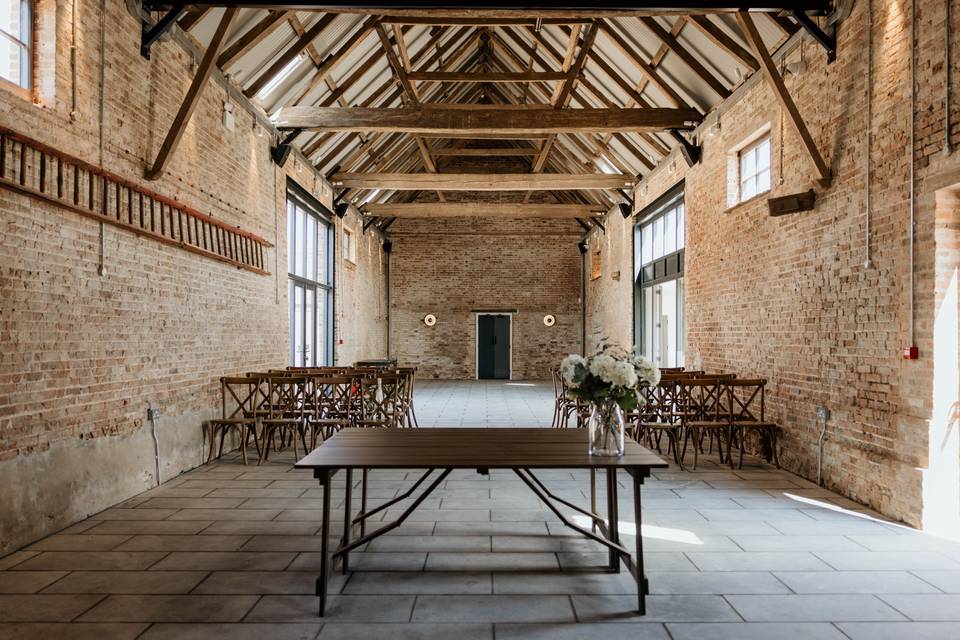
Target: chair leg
213,438
243,447
773,446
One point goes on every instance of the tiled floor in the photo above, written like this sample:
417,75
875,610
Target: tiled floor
228,551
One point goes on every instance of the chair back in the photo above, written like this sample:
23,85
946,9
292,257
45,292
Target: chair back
238,397
745,399
701,399
286,397
334,398
381,400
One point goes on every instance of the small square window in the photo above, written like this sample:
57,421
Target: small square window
16,43
349,245
754,169
596,268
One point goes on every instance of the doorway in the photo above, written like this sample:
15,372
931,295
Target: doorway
494,349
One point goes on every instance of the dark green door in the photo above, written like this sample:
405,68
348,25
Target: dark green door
493,347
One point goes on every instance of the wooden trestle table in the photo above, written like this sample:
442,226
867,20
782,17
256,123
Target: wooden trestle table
445,449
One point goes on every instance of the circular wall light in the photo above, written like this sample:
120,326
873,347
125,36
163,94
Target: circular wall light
549,320
429,319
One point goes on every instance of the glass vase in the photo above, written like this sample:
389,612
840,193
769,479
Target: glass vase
605,429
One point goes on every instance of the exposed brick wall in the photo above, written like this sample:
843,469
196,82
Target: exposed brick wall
791,298
84,355
450,267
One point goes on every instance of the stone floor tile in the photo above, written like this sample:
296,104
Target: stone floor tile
666,608
888,561
225,561
44,608
340,608
491,561
192,503
290,543
853,582
79,542
366,561
269,492
441,515
843,528
27,581
812,608
435,543
201,483
231,631
92,560
582,631
72,631
183,543
797,543
947,581
337,631
522,515
170,608
147,527
15,558
899,630
491,528
492,608
926,607
260,582
257,527
128,582
667,561
916,542
134,514
551,583
772,516
224,514
754,631
412,582
757,561
714,582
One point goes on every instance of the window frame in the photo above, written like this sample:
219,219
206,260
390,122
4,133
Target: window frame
27,84
321,288
753,147
349,247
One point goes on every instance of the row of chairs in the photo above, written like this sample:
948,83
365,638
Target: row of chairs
302,406
691,407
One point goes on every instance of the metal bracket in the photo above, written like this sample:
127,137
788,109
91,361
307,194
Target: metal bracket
827,39
596,221
691,152
281,152
368,223
149,34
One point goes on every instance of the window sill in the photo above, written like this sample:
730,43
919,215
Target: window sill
17,90
760,196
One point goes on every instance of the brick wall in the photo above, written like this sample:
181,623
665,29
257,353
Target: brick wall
792,298
84,355
452,267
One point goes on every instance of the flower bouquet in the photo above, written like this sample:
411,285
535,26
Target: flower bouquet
610,381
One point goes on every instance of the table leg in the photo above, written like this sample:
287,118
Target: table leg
593,497
324,540
363,503
642,587
347,507
612,518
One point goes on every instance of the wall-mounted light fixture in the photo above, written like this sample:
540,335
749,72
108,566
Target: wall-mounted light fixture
582,245
341,209
429,319
549,320
626,209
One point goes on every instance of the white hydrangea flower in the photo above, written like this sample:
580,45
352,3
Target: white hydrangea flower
624,375
568,369
601,365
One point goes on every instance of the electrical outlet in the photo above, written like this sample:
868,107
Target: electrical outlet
823,414
153,414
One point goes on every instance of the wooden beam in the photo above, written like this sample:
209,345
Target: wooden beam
190,101
323,71
487,151
780,90
290,54
720,38
450,20
459,121
193,16
251,38
481,181
482,209
480,76
674,45
646,69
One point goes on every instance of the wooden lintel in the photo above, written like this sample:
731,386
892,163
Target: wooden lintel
460,121
486,151
773,77
481,76
482,209
481,181
793,203
190,101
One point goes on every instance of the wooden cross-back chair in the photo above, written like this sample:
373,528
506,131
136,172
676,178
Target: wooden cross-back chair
701,407
283,414
747,404
238,397
333,399
408,377
657,418
381,404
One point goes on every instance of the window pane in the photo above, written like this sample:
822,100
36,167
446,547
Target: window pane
323,245
324,337
670,232
681,331
296,324
291,297
291,235
681,221
763,181
309,326
646,245
748,188
763,155
748,164
668,324
658,238
648,322
310,271
299,250
15,25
